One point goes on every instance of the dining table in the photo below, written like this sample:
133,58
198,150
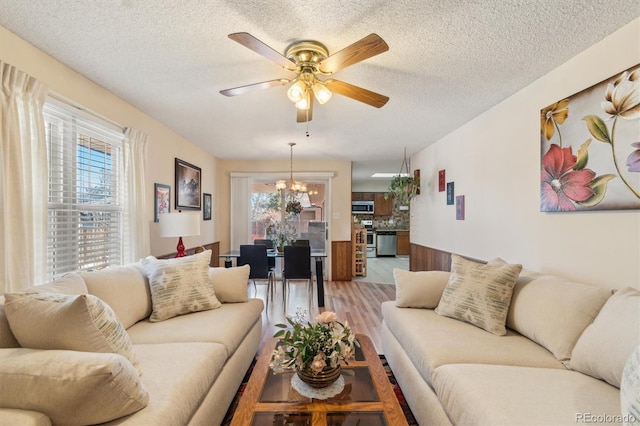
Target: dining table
317,254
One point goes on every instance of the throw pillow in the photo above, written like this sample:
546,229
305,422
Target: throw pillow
606,344
479,294
630,389
231,283
421,289
70,387
180,286
60,321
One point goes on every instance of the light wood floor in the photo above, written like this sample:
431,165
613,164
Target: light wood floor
357,302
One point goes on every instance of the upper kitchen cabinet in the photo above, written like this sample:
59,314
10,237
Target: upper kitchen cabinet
363,196
382,207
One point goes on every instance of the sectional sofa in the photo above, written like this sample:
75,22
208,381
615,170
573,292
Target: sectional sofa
156,342
494,345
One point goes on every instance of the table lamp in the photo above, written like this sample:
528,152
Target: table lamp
179,225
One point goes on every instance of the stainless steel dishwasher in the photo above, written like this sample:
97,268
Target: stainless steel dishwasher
386,243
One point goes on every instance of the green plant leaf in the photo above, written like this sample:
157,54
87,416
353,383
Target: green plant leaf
582,155
599,186
279,333
597,128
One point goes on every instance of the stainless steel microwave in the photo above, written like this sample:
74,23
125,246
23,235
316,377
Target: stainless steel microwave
362,207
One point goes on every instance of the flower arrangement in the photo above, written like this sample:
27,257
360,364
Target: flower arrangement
294,207
281,234
313,347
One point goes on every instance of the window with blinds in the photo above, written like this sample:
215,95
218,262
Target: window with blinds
85,207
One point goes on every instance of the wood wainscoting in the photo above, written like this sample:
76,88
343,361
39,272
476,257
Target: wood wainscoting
341,261
423,258
215,253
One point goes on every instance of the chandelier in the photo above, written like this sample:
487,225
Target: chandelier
292,186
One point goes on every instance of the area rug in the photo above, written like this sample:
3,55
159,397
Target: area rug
396,389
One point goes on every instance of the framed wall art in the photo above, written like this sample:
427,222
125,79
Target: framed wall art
187,186
441,180
450,193
206,206
460,207
589,147
162,200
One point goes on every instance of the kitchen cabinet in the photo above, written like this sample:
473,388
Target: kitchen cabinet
359,251
363,196
403,243
382,207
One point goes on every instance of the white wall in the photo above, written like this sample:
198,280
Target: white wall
164,145
494,161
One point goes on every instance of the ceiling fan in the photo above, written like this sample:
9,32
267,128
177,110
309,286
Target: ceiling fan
310,59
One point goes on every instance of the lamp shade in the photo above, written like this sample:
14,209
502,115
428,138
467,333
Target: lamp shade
179,224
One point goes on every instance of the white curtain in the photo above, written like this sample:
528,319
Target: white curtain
23,180
240,211
136,223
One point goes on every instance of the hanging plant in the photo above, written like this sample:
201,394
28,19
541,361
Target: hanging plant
403,189
403,186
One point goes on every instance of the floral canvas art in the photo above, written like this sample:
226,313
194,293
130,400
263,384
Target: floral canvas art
590,147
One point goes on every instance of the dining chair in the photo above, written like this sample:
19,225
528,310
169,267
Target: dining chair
256,257
270,260
300,243
297,266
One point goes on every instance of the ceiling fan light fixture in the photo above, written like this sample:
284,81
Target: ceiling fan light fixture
322,93
297,91
305,102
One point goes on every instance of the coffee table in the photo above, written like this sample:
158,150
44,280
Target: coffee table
367,398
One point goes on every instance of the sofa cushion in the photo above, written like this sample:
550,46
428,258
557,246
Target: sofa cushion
606,345
431,340
124,288
508,395
69,284
479,294
553,311
180,286
231,283
59,321
11,416
421,289
177,376
227,326
630,388
70,387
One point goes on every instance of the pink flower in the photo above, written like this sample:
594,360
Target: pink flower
633,161
318,363
327,317
560,185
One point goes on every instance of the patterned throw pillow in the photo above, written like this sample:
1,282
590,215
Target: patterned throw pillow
60,321
479,294
180,286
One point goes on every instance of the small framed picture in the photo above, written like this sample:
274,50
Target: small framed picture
441,180
162,200
460,207
450,193
187,186
206,206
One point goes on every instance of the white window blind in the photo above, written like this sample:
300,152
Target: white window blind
85,203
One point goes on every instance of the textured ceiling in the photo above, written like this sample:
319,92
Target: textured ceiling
449,61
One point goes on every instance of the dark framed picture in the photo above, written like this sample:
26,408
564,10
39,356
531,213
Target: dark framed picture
441,180
187,186
162,200
206,206
450,193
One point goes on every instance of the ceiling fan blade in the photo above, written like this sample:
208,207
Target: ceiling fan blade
304,115
256,86
369,46
250,42
358,93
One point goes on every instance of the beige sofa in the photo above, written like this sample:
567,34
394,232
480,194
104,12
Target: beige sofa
180,370
560,360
